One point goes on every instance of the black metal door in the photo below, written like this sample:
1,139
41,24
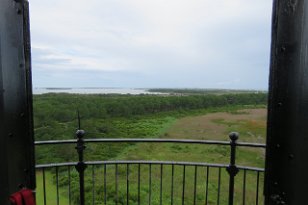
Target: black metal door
16,138
287,136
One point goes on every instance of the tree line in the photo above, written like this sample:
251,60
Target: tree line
63,107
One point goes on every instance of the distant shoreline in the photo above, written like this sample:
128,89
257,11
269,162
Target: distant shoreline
138,91
57,88
92,90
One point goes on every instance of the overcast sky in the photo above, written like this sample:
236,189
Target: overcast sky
151,43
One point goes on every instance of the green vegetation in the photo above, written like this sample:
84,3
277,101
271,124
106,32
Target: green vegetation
145,116
50,188
62,107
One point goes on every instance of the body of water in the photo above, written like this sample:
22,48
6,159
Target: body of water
132,91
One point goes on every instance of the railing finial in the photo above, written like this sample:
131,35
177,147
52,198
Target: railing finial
78,118
233,136
80,134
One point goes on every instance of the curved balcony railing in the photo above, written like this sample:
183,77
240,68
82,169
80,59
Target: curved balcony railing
152,182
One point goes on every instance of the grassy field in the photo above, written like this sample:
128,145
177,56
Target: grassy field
50,188
250,123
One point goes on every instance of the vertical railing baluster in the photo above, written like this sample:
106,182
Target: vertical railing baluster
195,184
138,184
207,184
116,184
57,185
161,185
257,194
127,184
69,185
219,182
172,182
44,186
150,183
81,166
105,184
93,185
183,191
244,187
232,168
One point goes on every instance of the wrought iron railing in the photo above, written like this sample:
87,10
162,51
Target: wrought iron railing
135,182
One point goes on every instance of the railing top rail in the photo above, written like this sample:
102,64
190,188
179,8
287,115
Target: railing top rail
51,165
41,166
248,144
150,140
54,142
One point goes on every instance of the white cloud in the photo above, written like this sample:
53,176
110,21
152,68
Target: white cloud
48,58
153,36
